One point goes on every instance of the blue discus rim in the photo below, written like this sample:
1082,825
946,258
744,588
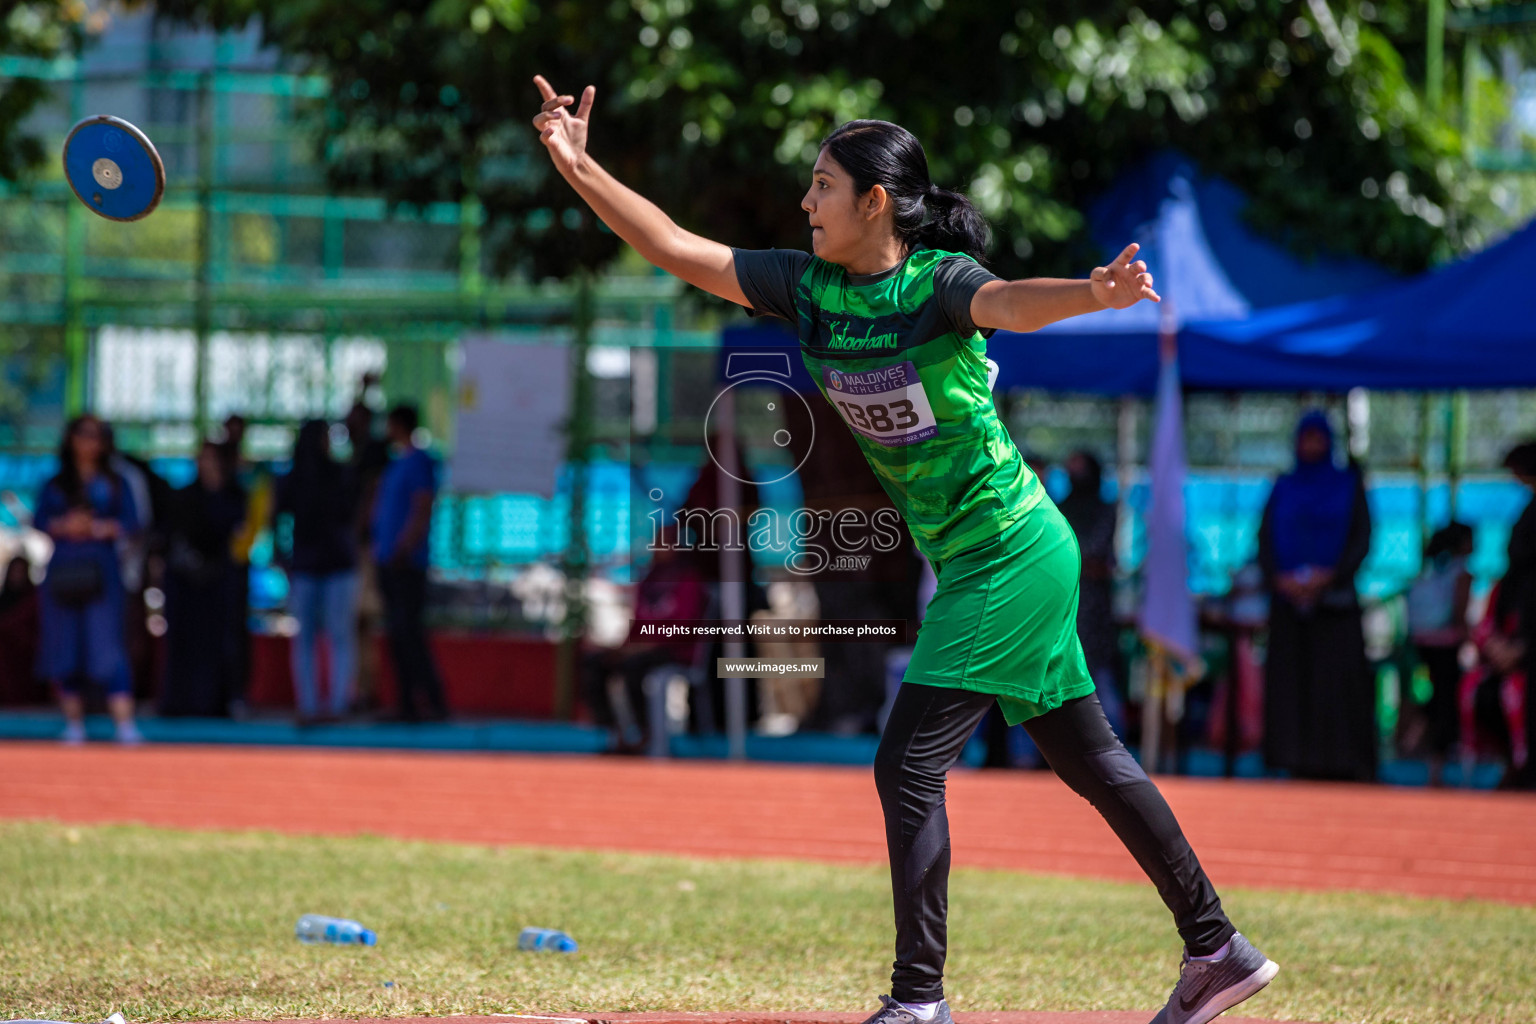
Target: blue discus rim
120,183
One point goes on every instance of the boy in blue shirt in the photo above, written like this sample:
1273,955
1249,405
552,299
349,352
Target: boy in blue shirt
402,518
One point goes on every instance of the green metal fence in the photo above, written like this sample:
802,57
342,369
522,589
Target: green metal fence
250,289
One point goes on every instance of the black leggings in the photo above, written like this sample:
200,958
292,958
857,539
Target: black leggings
927,730
1444,667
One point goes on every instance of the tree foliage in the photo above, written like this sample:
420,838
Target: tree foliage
714,108
41,30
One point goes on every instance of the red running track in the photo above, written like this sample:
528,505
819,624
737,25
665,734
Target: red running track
961,1017
1260,834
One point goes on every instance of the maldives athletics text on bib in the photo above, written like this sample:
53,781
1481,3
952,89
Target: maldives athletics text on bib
887,404
914,393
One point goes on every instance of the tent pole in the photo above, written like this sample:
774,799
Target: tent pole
576,560
1455,426
1152,708
1421,462
1125,469
733,587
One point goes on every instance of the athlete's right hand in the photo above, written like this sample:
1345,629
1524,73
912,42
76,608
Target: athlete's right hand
564,134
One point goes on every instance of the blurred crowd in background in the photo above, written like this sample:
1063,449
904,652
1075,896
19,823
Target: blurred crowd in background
147,587
147,591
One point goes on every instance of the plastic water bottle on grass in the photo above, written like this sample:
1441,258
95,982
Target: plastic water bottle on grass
319,928
547,940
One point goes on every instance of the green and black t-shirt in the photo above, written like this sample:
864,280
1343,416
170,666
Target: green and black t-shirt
897,355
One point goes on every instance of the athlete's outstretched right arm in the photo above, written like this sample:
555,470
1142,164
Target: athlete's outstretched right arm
697,260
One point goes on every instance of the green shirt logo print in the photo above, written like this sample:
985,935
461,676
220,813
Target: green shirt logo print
842,341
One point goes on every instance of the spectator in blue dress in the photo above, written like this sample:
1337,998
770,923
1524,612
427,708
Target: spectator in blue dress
317,498
86,508
402,519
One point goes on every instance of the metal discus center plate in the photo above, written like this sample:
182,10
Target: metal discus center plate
113,168
107,173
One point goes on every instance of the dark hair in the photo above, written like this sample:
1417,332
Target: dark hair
68,477
405,415
315,491
927,217
359,411
1094,477
1449,539
219,451
311,452
9,595
25,565
1521,459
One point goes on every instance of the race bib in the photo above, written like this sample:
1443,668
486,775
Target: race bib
887,405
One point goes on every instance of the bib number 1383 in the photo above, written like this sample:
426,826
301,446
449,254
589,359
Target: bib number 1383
887,405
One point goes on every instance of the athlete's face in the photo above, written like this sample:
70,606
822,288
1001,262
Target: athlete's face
842,220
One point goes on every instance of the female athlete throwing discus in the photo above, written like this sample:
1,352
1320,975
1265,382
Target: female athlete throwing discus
893,311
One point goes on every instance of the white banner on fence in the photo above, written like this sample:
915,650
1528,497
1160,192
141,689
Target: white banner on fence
513,401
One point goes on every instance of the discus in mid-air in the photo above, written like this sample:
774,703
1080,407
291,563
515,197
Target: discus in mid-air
893,308
113,168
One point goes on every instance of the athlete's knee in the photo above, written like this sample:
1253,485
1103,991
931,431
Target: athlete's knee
908,783
1091,773
890,764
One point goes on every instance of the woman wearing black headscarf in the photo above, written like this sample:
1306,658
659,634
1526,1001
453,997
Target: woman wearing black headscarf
19,683
1517,600
1093,521
1320,717
204,612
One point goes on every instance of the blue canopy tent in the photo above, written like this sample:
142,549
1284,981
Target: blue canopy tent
1209,267
1470,324
1226,290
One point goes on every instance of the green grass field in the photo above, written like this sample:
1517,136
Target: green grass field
166,925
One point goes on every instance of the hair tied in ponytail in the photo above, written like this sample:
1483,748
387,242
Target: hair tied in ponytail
926,216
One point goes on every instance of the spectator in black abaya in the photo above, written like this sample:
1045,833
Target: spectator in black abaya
19,683
256,484
204,606
1093,521
1320,719
1517,599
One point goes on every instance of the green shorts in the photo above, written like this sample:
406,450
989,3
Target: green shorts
1004,619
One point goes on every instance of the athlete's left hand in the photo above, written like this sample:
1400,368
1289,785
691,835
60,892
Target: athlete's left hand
1123,283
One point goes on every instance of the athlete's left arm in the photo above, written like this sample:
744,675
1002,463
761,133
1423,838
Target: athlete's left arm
1030,304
